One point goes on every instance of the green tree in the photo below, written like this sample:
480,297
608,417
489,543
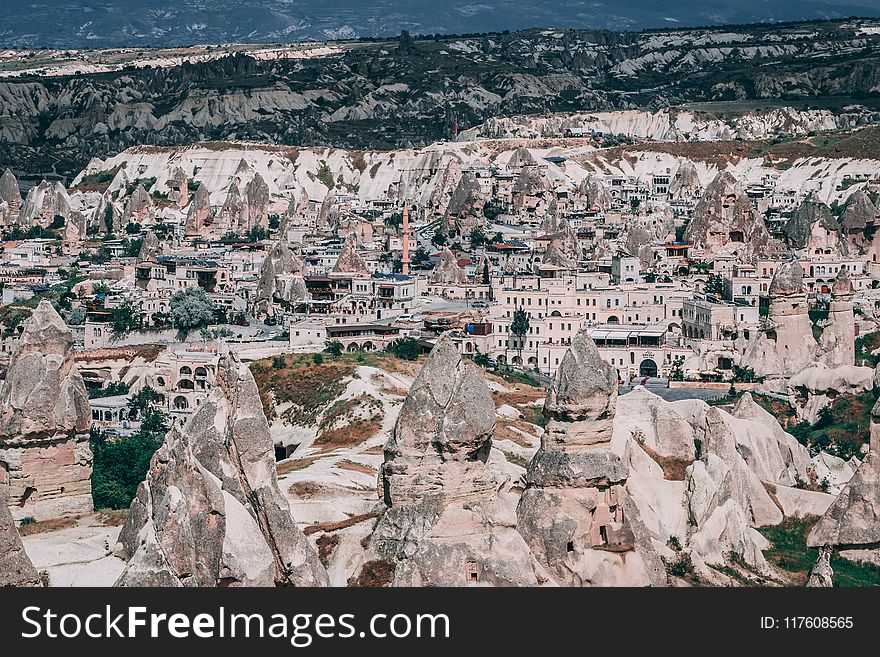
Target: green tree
421,258
143,399
439,238
256,234
153,421
519,327
478,237
334,348
481,359
191,309
125,318
405,348
715,286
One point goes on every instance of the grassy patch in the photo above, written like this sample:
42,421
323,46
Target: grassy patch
842,428
516,459
292,465
865,345
44,526
353,466
350,422
789,552
309,388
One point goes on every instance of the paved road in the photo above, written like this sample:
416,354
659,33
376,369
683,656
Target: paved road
674,394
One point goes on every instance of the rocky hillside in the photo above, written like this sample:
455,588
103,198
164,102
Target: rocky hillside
413,92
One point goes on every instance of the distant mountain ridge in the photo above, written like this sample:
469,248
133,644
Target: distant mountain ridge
411,92
128,23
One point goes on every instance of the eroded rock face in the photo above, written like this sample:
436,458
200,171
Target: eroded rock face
349,261
785,346
280,278
16,568
822,575
575,513
44,423
75,228
812,225
179,187
853,520
43,203
150,247
595,193
465,209
139,208
447,270
257,197
210,512
10,194
726,499
858,212
724,220
837,342
448,522
199,213
232,215
685,183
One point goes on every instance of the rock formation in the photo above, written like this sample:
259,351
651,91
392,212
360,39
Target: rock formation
813,226
257,204
857,222
465,209
45,422
785,344
520,158
555,254
210,512
837,342
199,213
447,520
74,229
178,186
821,575
685,183
852,522
139,208
10,194
232,215
724,220
280,279
447,271
726,499
150,247
16,568
595,193
349,261
575,513
43,203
